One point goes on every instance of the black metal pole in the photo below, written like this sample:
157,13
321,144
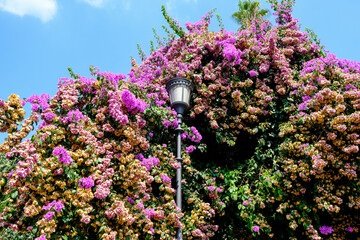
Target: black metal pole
179,170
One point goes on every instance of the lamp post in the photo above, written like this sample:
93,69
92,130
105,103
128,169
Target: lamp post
179,90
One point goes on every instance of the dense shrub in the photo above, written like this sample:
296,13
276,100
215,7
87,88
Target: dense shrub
270,144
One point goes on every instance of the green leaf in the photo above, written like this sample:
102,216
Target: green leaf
14,194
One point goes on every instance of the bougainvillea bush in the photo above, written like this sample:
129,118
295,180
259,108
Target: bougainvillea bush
270,145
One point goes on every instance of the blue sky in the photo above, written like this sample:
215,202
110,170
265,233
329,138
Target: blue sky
40,39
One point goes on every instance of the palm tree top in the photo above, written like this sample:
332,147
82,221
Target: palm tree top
248,10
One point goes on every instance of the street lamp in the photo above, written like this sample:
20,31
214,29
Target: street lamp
179,90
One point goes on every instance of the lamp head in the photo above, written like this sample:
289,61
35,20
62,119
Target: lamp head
179,90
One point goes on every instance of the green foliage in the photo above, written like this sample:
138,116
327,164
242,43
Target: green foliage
314,38
7,233
221,24
174,25
141,52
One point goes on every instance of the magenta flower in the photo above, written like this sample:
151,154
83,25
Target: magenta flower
75,116
165,178
49,116
132,104
150,212
48,216
326,230
62,155
86,183
253,73
34,107
211,188
149,162
58,206
130,200
349,229
166,123
43,237
255,228
190,149
245,203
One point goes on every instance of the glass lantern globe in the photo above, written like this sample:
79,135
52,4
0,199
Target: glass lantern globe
179,90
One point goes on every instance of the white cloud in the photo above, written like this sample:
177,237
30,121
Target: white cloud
95,3
43,9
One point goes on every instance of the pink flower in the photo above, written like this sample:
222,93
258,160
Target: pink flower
149,162
58,171
62,155
245,203
103,190
197,233
165,178
86,183
255,228
48,216
85,219
211,188
253,73
43,237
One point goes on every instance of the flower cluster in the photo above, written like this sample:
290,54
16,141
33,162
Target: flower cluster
63,155
86,183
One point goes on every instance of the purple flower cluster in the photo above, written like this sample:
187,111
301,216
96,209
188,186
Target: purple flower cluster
42,237
196,135
48,216
35,107
283,11
166,123
75,116
49,116
326,230
165,178
349,86
86,183
40,100
253,73
115,108
58,206
150,212
230,52
304,105
190,149
62,155
149,162
130,200
131,103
